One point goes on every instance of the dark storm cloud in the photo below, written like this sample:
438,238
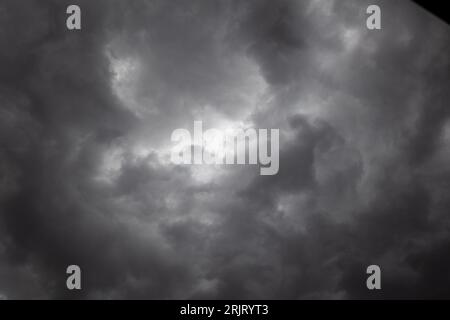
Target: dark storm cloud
85,124
398,214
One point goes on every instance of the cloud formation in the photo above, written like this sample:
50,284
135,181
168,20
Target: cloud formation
85,124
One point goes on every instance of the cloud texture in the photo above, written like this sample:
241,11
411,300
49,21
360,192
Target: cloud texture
85,124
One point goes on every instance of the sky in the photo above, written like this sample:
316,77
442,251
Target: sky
85,174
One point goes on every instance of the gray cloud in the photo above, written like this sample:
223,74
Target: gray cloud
86,119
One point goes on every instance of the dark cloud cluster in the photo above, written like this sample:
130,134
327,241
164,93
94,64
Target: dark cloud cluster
85,124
